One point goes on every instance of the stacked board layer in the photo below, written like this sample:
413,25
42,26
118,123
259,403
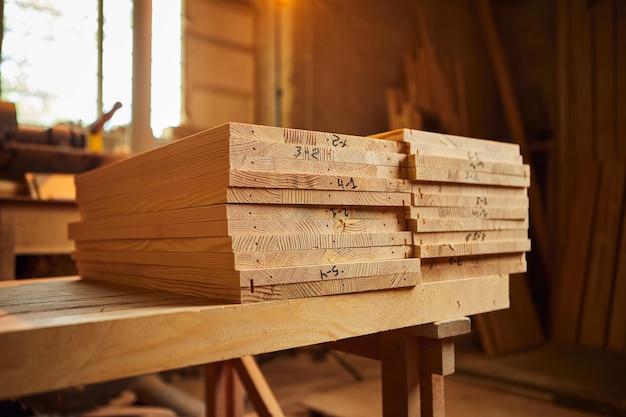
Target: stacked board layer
469,205
244,213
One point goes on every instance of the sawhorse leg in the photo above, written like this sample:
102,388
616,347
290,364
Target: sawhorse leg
414,361
224,389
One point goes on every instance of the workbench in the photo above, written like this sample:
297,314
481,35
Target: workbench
33,227
63,332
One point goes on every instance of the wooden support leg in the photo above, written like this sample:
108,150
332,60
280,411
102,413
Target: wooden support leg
400,375
224,395
258,390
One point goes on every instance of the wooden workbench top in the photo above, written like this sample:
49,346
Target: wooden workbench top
57,333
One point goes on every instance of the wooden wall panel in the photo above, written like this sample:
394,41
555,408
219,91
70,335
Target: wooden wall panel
220,63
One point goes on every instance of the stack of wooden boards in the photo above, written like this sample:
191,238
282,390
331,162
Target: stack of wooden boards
243,213
469,205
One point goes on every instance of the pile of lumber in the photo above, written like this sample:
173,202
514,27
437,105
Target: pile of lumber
244,213
469,205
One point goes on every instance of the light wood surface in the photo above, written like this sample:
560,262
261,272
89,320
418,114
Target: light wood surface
126,331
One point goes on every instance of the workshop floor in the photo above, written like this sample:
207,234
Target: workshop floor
311,383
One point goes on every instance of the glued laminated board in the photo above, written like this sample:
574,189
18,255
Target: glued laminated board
474,248
427,161
461,225
463,267
464,176
449,200
484,212
252,243
420,187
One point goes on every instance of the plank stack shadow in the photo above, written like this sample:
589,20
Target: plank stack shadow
244,213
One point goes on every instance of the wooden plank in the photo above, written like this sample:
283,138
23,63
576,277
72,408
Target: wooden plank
223,392
255,244
599,282
259,391
441,269
284,165
464,249
568,298
254,278
473,236
442,151
179,199
246,212
448,225
616,337
470,212
429,161
343,182
450,141
116,344
249,260
443,329
400,375
466,177
317,197
323,288
222,228
603,16
468,189
449,200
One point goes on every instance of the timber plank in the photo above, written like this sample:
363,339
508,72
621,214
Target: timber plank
248,260
442,151
451,141
245,212
449,225
256,243
483,212
317,197
428,161
599,283
269,276
449,200
418,187
573,270
463,267
466,249
333,287
471,236
466,177
284,165
222,228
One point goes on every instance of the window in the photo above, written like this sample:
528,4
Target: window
49,62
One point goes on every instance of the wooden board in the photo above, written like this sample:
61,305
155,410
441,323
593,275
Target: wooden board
246,212
483,212
252,243
284,165
219,228
449,225
258,277
110,324
420,187
439,162
180,200
471,236
466,177
469,155
248,260
449,200
333,287
464,249
464,267
451,141
599,282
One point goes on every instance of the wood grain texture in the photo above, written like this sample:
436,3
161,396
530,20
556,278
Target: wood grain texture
132,338
464,176
443,151
451,141
462,267
473,248
452,224
473,165
419,187
482,212
253,243
472,236
449,200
